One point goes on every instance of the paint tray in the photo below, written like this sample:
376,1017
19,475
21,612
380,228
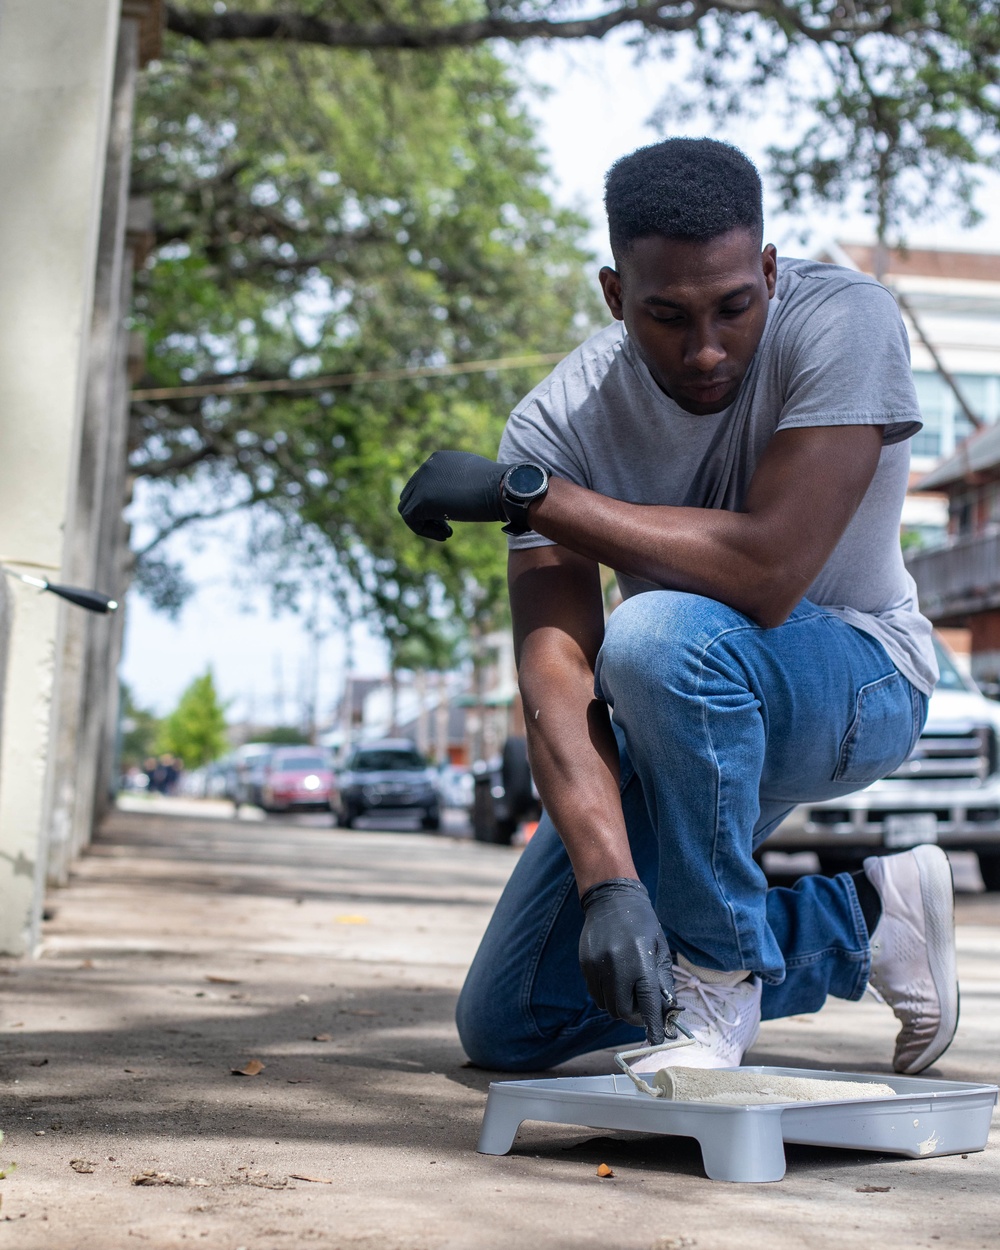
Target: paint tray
747,1142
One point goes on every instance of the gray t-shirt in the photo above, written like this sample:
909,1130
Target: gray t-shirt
834,352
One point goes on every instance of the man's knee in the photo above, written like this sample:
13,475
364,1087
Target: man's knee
493,1037
658,637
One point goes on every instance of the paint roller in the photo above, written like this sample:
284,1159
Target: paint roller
743,1086
91,600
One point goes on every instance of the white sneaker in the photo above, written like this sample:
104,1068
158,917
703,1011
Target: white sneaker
913,952
724,1020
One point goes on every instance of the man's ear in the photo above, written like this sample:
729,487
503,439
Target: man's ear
769,264
611,285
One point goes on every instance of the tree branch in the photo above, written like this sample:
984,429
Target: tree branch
672,18
154,469
188,518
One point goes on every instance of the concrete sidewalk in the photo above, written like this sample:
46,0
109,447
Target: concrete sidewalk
185,947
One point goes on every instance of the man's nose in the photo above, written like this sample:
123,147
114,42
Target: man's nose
704,352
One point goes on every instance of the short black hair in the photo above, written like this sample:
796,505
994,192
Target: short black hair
682,189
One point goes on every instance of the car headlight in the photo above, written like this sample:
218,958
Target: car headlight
312,782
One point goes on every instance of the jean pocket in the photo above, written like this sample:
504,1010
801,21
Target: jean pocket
880,735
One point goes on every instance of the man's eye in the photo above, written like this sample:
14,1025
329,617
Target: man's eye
667,321
735,312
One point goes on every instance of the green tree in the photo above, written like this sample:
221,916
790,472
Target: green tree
196,729
341,212
347,188
282,735
897,98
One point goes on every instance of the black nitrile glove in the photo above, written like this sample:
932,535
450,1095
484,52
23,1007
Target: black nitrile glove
452,485
625,958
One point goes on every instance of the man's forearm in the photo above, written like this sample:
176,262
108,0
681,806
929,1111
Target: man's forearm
760,560
574,761
558,616
703,551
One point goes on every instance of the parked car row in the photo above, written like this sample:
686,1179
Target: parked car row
947,791
385,778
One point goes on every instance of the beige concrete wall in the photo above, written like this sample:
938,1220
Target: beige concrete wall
81,696
56,67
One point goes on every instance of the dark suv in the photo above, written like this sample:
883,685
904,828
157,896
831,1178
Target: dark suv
389,778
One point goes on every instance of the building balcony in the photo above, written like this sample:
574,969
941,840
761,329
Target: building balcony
959,579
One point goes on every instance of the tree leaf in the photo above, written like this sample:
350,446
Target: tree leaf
252,1067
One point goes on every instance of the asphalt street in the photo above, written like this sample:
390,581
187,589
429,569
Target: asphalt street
191,950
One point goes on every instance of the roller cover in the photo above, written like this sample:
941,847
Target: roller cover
732,1085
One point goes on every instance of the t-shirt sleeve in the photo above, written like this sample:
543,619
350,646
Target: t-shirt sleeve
850,365
539,431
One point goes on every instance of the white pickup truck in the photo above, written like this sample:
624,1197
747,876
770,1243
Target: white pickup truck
947,791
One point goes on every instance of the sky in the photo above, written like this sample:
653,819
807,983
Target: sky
596,108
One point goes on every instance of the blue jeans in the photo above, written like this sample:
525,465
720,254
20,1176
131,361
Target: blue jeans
723,728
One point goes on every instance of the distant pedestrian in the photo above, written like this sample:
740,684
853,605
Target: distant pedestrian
150,768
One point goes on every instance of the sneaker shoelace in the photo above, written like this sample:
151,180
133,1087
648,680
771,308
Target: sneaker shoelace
704,1002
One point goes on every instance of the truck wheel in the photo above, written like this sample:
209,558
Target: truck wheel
515,772
505,827
989,866
431,821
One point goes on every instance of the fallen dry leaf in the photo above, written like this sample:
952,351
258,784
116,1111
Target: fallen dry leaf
82,1165
350,920
223,980
323,1037
151,1177
872,1189
604,1170
316,1180
358,1011
252,1067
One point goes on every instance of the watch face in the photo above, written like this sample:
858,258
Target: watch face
525,479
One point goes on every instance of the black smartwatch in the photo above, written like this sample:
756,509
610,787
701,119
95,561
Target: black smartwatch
520,486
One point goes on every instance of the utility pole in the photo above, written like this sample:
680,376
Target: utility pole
310,692
279,690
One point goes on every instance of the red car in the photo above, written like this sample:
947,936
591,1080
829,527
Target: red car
298,779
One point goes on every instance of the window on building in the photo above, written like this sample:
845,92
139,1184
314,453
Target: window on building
945,425
932,396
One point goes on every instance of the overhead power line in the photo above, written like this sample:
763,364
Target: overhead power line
283,385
